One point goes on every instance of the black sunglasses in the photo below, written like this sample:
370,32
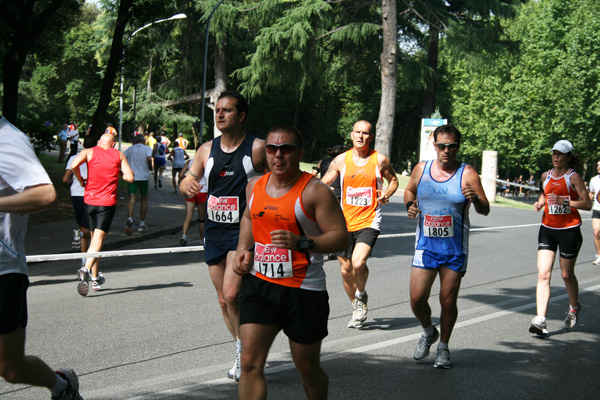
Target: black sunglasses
286,148
450,146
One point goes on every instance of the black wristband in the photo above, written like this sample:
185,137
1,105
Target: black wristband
410,203
566,202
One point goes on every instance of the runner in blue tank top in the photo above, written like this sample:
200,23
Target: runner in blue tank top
227,163
439,193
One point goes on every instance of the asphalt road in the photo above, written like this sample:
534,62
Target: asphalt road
156,330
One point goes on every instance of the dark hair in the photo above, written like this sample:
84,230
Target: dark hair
139,139
89,142
241,103
447,129
336,150
285,128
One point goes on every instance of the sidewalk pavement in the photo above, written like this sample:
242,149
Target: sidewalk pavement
166,211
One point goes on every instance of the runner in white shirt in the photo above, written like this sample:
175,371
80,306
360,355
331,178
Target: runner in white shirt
594,190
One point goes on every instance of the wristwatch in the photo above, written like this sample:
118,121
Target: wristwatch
305,244
566,202
476,199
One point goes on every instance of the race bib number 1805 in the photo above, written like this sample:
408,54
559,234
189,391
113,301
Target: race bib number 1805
438,226
224,209
272,261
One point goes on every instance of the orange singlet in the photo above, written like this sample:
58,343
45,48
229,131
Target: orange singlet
359,193
558,216
277,265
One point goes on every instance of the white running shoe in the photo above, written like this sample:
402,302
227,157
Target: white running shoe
442,359
422,350
538,326
597,260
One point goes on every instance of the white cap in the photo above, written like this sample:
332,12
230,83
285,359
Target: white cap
564,146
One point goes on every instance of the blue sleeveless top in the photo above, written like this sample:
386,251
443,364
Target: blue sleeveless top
443,230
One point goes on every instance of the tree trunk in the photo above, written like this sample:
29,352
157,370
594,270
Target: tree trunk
220,64
26,29
389,63
432,62
149,86
116,52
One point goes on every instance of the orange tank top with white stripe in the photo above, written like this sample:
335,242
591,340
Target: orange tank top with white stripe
277,265
558,216
359,193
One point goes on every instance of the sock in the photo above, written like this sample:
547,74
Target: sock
359,295
185,237
443,346
540,318
130,219
429,331
59,387
142,223
576,308
238,344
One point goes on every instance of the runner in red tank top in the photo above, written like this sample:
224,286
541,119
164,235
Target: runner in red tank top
298,219
103,163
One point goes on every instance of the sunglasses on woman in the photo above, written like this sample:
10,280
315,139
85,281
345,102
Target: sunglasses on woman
444,146
286,148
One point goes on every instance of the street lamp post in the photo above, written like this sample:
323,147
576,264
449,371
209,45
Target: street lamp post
176,16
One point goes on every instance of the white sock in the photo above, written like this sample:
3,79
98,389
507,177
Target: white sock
142,223
238,344
429,331
359,295
443,346
130,219
59,387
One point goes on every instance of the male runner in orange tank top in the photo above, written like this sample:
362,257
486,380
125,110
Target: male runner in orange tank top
361,172
297,221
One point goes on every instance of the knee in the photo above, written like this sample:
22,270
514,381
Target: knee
231,296
359,263
568,275
544,276
448,302
223,304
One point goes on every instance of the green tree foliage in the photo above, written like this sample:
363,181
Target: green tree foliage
547,91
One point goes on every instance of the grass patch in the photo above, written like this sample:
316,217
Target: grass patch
506,202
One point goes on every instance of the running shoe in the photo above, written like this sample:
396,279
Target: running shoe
442,359
359,312
129,227
84,277
425,342
571,319
538,327
183,241
76,243
72,390
360,308
97,283
236,371
597,260
143,228
159,182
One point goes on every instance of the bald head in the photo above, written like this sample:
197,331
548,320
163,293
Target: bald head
106,140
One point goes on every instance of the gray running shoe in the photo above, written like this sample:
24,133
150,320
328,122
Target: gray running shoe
143,228
129,227
183,241
442,359
538,327
571,319
97,283
360,308
72,390
425,342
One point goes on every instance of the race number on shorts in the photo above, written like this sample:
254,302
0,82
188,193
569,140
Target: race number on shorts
224,209
440,226
272,261
360,197
559,208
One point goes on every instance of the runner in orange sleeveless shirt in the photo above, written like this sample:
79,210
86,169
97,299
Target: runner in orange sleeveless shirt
563,193
361,172
290,221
